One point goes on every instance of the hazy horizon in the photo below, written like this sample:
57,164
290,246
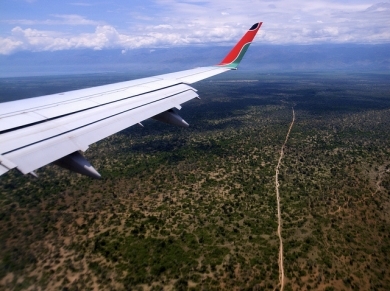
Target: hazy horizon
262,58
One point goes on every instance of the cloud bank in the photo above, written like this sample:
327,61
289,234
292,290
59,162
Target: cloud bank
164,23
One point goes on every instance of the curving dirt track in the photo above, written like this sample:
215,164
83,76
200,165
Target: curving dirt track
280,261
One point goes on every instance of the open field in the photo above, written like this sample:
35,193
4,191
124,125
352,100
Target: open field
196,208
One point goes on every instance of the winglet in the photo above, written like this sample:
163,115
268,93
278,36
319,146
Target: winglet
235,56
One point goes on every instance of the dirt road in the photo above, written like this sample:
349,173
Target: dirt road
280,261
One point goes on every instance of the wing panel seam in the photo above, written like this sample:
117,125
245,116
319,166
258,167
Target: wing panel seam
88,124
90,108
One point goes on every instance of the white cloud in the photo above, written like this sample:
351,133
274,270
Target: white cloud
74,19
163,26
81,4
8,46
66,19
105,36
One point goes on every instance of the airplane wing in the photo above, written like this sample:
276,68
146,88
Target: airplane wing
56,128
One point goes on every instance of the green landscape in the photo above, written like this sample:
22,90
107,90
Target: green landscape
196,209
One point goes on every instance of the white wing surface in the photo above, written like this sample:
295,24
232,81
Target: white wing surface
55,128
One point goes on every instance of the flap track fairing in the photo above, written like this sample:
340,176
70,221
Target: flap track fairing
77,163
171,117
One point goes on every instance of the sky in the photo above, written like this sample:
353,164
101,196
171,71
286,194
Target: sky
53,25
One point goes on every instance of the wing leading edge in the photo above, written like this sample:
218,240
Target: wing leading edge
55,128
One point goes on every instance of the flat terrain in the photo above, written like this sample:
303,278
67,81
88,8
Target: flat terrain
195,208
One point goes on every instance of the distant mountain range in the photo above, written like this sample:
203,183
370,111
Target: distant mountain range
262,58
